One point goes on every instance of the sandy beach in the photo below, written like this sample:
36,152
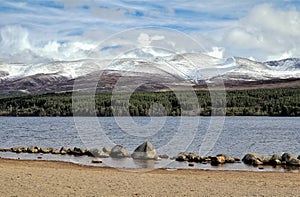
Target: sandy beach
46,178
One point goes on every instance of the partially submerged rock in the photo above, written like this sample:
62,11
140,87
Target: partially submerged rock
98,153
145,151
218,160
118,151
97,160
253,159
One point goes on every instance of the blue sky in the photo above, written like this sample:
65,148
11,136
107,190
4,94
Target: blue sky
69,30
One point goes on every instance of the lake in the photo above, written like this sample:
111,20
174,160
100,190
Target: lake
235,136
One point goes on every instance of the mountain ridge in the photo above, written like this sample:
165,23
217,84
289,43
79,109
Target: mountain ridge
152,73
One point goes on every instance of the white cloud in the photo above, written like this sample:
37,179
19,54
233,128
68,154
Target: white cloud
266,33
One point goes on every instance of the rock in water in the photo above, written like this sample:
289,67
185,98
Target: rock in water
118,151
96,160
106,149
98,153
253,159
218,160
287,156
144,151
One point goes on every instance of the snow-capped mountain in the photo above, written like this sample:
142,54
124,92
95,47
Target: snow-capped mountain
289,64
137,66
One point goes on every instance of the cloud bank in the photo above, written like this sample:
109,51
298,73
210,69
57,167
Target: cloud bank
58,30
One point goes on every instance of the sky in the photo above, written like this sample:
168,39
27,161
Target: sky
64,30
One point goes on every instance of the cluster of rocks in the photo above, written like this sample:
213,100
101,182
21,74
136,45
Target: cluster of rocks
144,151
287,159
213,160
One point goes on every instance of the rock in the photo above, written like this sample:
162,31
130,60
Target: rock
118,151
228,159
39,157
45,150
266,160
4,149
298,157
144,151
237,159
78,151
191,164
19,149
275,160
218,160
293,162
33,149
106,149
253,159
98,153
55,151
63,150
157,158
164,156
181,157
191,157
96,160
287,156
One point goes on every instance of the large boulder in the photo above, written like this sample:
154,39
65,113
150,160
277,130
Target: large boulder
118,151
287,156
275,160
293,162
145,151
253,159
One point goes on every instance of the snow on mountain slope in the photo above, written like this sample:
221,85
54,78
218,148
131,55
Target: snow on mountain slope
189,66
249,70
289,64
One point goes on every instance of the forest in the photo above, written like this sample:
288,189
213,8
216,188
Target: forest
256,102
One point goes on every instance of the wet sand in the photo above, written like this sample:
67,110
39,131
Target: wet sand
47,178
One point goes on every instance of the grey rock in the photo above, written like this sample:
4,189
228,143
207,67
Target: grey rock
293,162
287,156
106,149
145,151
98,153
118,151
253,159
275,160
164,156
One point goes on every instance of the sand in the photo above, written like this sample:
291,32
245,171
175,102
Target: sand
45,178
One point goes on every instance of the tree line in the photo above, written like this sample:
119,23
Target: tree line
257,102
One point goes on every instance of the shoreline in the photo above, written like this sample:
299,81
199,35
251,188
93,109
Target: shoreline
40,178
